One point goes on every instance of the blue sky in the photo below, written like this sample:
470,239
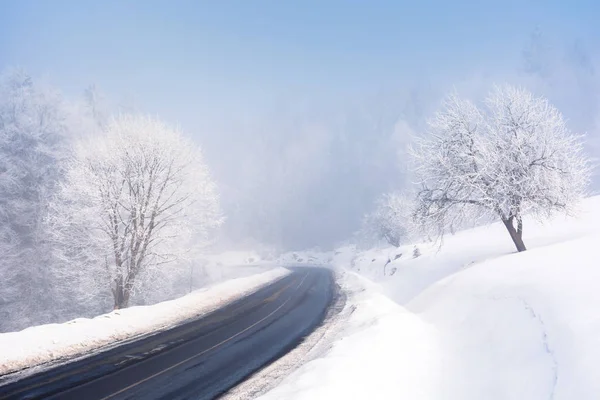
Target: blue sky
242,52
240,75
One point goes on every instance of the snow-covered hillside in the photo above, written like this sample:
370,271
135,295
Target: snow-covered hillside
472,320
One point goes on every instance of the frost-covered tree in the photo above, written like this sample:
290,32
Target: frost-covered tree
514,157
95,104
391,220
9,245
33,142
134,197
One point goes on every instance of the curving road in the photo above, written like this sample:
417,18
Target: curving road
200,359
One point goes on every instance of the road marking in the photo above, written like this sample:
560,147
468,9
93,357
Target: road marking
275,295
205,351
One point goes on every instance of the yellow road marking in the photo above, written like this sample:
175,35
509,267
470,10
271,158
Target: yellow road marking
276,294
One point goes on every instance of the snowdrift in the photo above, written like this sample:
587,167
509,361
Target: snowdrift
523,326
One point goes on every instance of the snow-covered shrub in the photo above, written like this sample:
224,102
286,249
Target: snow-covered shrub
391,220
416,252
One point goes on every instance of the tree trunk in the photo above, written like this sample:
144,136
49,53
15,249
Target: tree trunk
516,234
121,296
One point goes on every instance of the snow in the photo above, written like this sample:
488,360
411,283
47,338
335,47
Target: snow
471,320
45,343
530,315
366,361
306,257
228,265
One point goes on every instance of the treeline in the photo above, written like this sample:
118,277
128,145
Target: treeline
97,211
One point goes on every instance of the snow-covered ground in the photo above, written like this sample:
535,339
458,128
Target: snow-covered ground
55,342
366,361
222,266
472,320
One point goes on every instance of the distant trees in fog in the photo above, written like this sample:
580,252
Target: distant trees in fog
34,132
391,219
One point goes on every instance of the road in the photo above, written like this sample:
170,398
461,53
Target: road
201,359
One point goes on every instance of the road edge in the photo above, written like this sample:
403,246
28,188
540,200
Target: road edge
308,348
109,342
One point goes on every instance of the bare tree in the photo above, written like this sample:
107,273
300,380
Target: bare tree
95,103
134,198
517,157
391,220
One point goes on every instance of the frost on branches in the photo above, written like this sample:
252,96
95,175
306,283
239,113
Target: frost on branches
515,157
134,198
33,143
391,220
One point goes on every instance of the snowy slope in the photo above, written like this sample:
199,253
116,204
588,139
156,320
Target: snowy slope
384,352
523,326
465,248
45,343
472,320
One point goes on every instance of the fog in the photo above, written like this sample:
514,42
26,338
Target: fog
304,112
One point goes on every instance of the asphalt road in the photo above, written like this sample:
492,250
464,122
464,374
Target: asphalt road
201,359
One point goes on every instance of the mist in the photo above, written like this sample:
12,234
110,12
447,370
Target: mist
305,121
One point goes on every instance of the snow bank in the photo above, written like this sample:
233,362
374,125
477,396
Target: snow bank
472,320
411,276
383,352
523,326
45,343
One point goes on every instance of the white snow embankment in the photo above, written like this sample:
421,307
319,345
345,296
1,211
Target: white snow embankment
45,343
523,326
383,352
